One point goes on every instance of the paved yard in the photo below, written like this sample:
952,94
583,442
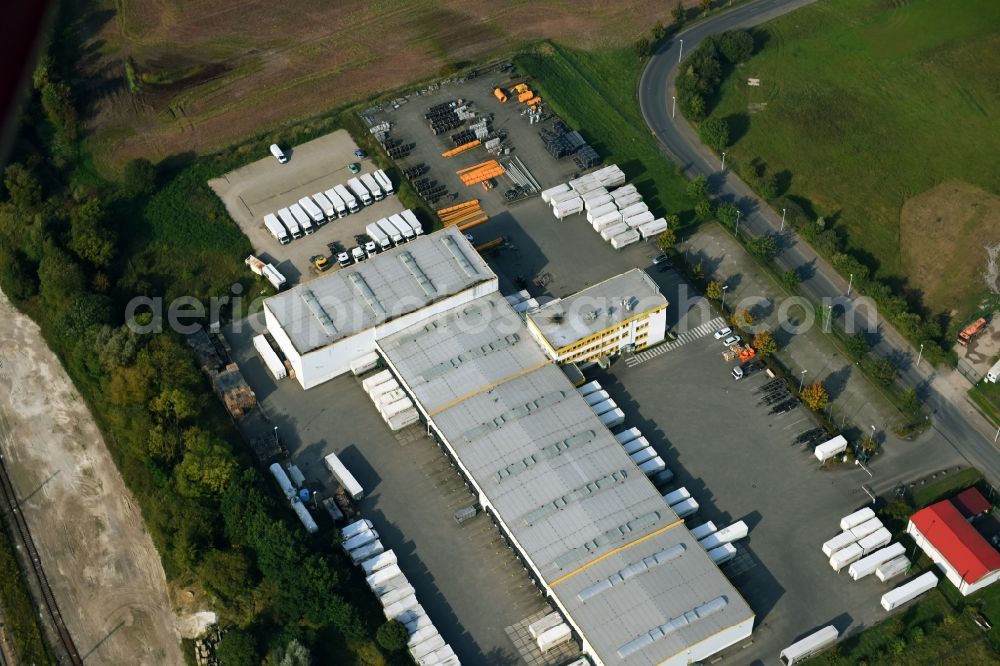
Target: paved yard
265,186
470,584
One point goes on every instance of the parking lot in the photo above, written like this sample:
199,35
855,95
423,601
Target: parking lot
740,463
265,186
469,583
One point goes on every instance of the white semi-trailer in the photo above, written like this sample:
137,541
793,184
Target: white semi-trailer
360,191
270,357
626,436
338,203
846,556
402,227
302,218
411,219
651,467
325,205
390,230
676,496
372,186
842,540
688,507
344,477
348,198
587,388
908,591
854,519
277,230
613,419
728,534
703,530
380,561
643,455
868,564
314,212
376,233
637,444
290,223
604,406
383,181
811,645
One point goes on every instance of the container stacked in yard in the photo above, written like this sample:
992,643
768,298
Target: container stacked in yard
369,383
875,540
845,556
634,209
866,528
868,564
606,220
554,637
723,553
624,239
380,561
639,219
558,189
595,200
734,532
612,230
302,218
567,207
343,476
854,519
334,197
599,212
703,530
622,192
654,228
358,540
290,223
390,409
270,357
348,198
276,229
357,527
908,591
842,540
892,568
366,552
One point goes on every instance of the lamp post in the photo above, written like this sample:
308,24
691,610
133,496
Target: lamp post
737,233
850,284
725,287
681,53
782,220
723,161
673,110
802,380
921,354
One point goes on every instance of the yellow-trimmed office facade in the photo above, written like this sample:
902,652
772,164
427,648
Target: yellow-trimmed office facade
642,330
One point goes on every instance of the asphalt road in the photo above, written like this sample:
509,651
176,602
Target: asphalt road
955,422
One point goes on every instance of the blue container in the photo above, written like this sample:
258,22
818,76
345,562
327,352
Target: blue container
304,494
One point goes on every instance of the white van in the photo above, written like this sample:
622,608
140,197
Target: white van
278,153
993,374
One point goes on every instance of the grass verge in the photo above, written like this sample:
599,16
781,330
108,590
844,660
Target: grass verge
946,487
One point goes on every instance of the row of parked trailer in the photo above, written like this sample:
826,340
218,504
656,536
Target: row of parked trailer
385,233
399,602
309,213
396,408
619,215
864,547
718,543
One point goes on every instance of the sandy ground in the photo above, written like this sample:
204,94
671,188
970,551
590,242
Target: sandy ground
97,555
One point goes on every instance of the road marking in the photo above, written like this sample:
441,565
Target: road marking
682,339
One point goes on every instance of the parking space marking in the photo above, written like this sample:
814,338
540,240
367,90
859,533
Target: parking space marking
682,339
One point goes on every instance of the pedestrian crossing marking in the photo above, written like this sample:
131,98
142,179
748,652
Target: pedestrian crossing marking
682,339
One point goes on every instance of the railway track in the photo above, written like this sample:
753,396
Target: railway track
23,536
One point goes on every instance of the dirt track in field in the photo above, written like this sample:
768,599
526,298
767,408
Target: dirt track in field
97,555
219,70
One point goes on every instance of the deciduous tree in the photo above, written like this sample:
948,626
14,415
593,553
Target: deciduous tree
392,635
666,240
765,344
815,396
713,290
714,133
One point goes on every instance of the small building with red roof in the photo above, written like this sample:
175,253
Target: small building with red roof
962,553
971,503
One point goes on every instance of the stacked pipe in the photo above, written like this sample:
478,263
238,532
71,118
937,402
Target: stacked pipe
477,173
464,215
399,602
458,150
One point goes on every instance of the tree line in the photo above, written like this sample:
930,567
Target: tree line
74,249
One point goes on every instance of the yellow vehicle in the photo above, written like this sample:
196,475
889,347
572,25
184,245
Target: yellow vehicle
321,263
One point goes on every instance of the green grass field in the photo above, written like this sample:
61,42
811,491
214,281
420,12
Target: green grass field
868,103
595,93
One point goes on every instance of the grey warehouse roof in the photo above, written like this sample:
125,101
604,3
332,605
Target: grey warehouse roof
580,509
389,285
596,308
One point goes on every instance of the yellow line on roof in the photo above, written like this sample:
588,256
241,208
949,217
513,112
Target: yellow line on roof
487,387
615,551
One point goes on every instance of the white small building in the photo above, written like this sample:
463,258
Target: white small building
625,312
325,324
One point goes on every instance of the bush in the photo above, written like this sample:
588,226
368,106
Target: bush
139,178
815,396
237,648
790,278
666,240
736,45
697,188
713,291
881,370
392,636
643,47
857,345
764,247
726,213
714,133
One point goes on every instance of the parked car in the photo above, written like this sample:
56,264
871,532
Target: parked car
723,332
662,261
354,167
737,373
360,154
732,340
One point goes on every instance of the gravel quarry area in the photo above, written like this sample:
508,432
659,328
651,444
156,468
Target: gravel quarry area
100,561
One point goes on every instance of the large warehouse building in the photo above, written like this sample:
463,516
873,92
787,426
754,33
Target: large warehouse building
626,311
323,325
593,531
